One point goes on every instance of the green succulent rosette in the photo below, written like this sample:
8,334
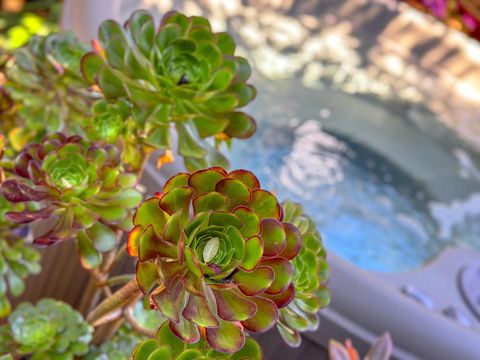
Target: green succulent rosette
50,330
180,75
78,184
17,259
45,82
167,346
113,124
311,275
215,256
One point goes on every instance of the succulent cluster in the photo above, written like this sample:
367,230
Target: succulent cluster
17,259
167,346
46,85
50,330
311,275
183,75
214,254
79,184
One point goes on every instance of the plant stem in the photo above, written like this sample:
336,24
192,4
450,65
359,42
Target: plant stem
119,299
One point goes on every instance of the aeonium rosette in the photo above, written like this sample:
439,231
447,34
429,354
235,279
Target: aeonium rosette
214,256
78,184
310,279
181,74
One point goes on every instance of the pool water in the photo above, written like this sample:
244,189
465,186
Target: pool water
370,207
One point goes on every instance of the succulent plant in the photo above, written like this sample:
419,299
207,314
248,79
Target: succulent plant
81,185
49,330
182,74
17,259
45,82
311,275
214,255
167,346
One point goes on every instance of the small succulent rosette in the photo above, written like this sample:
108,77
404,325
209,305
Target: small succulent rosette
78,185
167,346
180,75
113,123
311,275
214,256
44,80
48,331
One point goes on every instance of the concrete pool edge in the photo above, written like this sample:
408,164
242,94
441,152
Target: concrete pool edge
366,304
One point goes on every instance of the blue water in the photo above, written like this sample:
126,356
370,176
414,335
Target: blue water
367,210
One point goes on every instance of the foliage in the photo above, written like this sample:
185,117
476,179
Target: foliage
49,330
119,347
17,34
183,75
380,350
167,346
232,254
48,90
82,185
17,259
311,274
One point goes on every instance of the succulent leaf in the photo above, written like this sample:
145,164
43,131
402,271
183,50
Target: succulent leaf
183,74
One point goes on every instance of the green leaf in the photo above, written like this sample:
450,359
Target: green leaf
144,350
240,126
254,282
176,199
283,274
253,253
109,30
104,239
89,256
150,213
209,126
236,191
204,181
5,307
197,311
228,337
264,204
90,66
111,85
265,317
187,144
209,201
233,307
273,236
159,138
225,42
